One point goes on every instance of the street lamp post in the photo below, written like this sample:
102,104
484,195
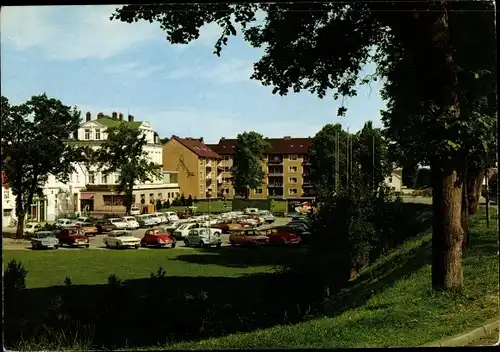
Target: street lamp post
209,194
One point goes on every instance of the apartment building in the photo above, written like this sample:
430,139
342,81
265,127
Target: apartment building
286,166
199,167
92,190
8,202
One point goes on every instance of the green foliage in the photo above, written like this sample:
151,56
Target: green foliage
33,146
189,201
409,175
123,152
247,171
14,278
182,200
167,203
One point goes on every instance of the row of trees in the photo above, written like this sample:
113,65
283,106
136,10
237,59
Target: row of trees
35,145
437,59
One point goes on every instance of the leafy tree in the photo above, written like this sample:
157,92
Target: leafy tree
370,154
323,153
182,200
247,169
409,175
33,147
167,204
420,52
123,152
158,204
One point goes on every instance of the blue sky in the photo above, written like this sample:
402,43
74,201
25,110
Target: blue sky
76,54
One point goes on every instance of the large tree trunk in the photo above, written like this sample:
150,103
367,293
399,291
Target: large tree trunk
447,231
474,185
129,197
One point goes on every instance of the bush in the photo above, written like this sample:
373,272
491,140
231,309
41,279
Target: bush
14,277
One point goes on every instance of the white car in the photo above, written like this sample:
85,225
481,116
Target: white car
121,239
171,216
132,223
65,223
145,220
135,210
32,227
162,217
120,224
183,230
202,237
267,216
81,220
251,211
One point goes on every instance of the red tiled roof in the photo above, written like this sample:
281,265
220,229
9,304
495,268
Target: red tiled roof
278,146
197,147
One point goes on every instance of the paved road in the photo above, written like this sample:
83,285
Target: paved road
96,241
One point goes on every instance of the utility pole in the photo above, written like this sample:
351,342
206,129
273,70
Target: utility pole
373,161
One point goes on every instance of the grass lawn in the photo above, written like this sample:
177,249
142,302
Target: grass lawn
216,206
92,267
391,303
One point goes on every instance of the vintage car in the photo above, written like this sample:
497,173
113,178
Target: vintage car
162,217
44,239
226,226
145,220
63,223
158,237
132,223
171,216
202,237
73,237
104,226
134,210
119,223
183,229
81,220
32,227
121,239
281,236
267,216
88,228
300,230
248,238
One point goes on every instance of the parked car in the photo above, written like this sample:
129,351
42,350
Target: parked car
226,226
63,223
132,223
300,230
281,236
248,237
88,228
171,216
250,211
119,223
121,239
158,237
31,227
161,216
247,221
202,237
183,230
73,237
105,226
44,239
144,220
81,220
267,216
134,210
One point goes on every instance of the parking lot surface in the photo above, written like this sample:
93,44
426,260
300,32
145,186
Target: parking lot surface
96,242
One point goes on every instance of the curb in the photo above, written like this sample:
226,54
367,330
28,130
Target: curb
464,339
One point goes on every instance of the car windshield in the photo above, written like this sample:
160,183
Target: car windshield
203,232
120,234
128,218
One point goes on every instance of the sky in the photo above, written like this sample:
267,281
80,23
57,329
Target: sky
76,54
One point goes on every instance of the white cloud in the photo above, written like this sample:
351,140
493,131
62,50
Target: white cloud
73,32
229,72
133,69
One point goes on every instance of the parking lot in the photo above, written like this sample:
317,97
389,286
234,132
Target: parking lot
96,242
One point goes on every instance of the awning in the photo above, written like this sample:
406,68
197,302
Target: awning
86,196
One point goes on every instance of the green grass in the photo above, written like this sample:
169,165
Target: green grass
91,267
216,206
391,303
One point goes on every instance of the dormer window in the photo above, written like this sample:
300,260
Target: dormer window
87,133
97,134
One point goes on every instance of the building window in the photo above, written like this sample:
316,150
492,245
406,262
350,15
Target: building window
77,177
87,133
160,195
201,175
97,134
258,191
201,187
226,157
151,197
293,191
227,168
91,178
292,157
292,180
292,169
104,178
6,194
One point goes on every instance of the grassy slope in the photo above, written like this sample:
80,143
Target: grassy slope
91,267
391,303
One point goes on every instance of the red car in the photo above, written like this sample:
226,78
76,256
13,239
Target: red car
158,237
72,237
278,236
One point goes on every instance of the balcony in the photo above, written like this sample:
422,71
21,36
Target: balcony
275,185
275,173
208,165
209,176
219,180
275,161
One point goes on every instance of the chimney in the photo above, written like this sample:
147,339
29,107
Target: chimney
88,116
222,138
100,115
120,117
114,114
201,139
130,118
287,137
